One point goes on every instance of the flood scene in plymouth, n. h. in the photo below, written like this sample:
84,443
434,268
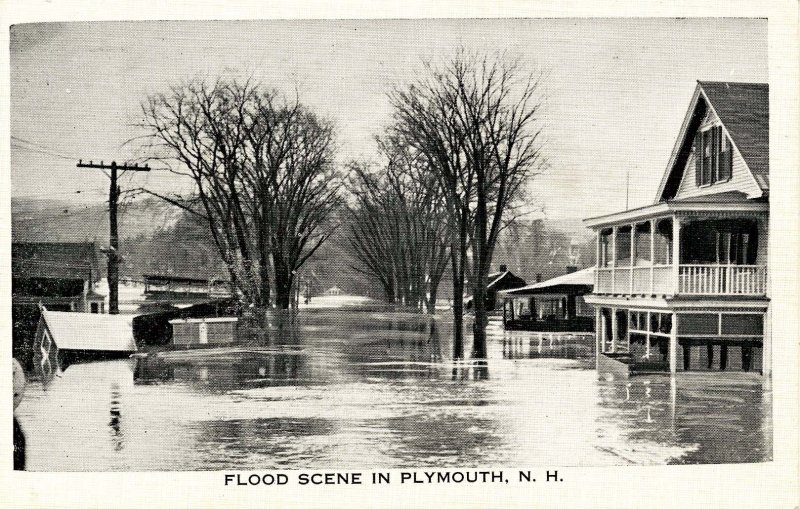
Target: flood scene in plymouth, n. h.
259,246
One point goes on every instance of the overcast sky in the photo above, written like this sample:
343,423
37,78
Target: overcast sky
617,90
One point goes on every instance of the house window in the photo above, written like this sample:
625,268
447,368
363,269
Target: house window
732,248
713,156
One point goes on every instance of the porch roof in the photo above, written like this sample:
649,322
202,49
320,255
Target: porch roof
724,202
580,279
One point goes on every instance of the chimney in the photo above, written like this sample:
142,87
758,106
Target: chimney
538,277
571,269
503,268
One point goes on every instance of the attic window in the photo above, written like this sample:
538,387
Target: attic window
713,156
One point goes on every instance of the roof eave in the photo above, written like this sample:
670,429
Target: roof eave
679,141
670,208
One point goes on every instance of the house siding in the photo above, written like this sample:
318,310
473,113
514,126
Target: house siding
741,179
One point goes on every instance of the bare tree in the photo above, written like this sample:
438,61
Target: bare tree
476,120
263,171
399,231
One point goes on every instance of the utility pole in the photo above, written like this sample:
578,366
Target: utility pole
113,251
627,186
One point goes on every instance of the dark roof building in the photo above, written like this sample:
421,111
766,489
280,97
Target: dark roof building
55,260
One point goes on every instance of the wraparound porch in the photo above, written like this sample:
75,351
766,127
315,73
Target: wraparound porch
683,249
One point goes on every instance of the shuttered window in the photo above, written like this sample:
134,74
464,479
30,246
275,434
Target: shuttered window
725,158
713,156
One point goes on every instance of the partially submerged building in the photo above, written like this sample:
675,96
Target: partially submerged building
184,288
66,337
555,305
194,332
682,284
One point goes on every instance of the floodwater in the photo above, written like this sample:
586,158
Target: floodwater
342,389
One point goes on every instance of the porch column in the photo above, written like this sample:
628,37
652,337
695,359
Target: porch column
766,346
647,337
505,306
603,331
598,330
614,330
633,256
676,254
597,249
652,256
628,330
673,344
613,259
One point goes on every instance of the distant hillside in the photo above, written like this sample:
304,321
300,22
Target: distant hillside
44,220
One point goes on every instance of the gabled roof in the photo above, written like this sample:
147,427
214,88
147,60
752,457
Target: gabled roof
583,277
90,331
495,278
743,109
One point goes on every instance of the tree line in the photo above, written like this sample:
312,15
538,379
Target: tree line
450,174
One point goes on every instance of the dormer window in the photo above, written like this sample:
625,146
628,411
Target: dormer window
713,156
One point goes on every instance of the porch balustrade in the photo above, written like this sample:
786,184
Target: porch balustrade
722,279
692,279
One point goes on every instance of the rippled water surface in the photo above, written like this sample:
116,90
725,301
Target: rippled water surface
342,389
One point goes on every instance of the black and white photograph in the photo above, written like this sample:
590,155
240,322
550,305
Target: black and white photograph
460,250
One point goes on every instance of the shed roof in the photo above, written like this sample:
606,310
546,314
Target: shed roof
583,277
90,331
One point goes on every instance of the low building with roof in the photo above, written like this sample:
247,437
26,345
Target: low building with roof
502,279
555,305
65,337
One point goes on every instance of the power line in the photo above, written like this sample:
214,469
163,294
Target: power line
49,194
39,151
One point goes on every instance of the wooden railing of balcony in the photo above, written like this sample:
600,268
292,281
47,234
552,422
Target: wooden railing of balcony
639,280
722,279
694,279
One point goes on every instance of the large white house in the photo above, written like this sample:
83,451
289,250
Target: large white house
682,284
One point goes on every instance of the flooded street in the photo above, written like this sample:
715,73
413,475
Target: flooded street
342,389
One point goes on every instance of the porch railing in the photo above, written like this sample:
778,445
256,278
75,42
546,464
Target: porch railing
722,279
692,280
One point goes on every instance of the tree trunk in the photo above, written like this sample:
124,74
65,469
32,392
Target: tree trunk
431,304
283,285
479,326
458,303
264,287
481,270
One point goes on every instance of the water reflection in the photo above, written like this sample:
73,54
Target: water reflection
538,345
380,390
116,417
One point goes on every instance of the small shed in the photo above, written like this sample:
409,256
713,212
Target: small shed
496,282
190,332
333,291
63,337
